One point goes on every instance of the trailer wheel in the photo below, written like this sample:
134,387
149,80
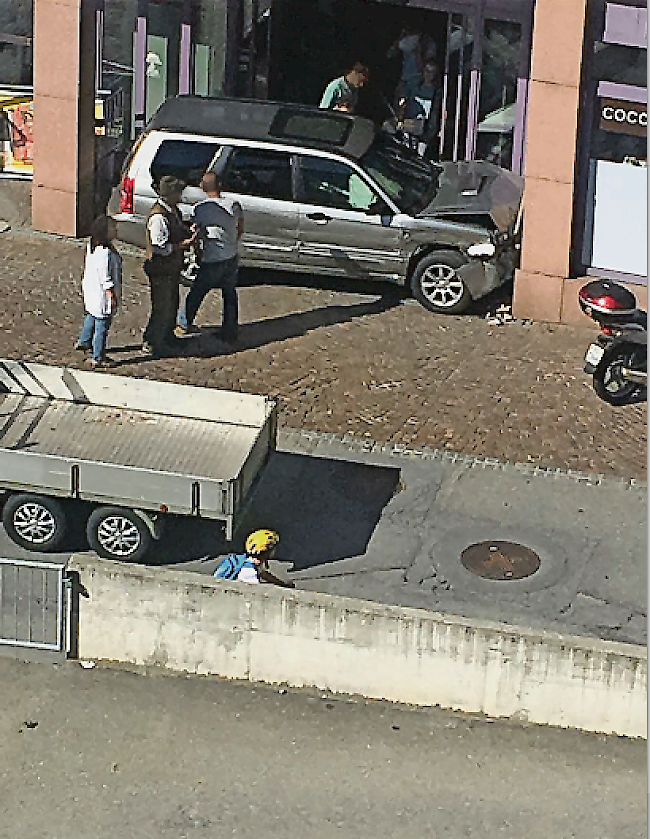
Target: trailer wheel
117,533
35,522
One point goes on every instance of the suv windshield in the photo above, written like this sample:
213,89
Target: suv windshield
411,182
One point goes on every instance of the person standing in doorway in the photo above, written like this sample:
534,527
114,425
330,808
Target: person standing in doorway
168,237
409,44
345,88
220,224
101,284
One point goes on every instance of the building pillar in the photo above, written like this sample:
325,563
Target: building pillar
551,159
64,102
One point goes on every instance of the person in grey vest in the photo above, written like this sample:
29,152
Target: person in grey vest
168,237
220,224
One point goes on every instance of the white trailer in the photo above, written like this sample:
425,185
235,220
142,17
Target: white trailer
124,452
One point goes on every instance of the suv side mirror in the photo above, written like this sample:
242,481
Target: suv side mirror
381,209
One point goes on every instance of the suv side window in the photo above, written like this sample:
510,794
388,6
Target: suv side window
329,183
187,159
265,174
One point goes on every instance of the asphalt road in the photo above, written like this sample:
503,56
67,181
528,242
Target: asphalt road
94,754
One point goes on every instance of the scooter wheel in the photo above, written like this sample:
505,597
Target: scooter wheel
609,383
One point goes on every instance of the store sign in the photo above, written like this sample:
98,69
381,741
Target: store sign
622,117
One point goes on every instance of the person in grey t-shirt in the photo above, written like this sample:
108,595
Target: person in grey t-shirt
221,225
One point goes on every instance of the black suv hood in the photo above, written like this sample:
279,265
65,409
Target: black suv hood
475,187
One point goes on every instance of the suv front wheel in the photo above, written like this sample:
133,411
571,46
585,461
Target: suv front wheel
436,285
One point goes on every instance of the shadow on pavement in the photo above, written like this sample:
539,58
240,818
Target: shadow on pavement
324,510
269,331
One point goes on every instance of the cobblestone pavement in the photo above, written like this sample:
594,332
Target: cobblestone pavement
349,359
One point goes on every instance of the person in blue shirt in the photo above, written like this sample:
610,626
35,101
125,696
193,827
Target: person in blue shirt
252,566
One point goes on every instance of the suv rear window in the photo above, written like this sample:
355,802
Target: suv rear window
187,159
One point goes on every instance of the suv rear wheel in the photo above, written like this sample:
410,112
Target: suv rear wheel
436,285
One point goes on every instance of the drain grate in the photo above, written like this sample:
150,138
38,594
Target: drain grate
500,560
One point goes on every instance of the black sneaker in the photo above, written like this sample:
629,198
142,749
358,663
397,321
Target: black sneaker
83,347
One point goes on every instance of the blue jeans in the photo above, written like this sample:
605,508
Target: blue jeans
213,275
94,334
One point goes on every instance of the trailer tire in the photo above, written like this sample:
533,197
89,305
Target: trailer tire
35,522
117,533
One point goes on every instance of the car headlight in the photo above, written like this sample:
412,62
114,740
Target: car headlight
481,249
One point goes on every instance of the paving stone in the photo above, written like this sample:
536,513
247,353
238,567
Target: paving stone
351,363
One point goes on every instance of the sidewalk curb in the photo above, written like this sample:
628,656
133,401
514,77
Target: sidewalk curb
354,445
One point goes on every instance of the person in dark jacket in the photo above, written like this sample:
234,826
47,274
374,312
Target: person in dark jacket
168,237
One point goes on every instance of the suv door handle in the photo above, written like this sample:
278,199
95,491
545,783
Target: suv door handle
319,218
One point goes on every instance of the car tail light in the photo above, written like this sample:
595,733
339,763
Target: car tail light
127,188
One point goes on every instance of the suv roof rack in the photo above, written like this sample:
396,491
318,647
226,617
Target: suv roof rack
252,119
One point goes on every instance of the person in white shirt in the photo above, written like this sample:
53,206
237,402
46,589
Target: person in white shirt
220,223
101,284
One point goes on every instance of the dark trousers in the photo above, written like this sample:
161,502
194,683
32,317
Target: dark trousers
213,275
164,307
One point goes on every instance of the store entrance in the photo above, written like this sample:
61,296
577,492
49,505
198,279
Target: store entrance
476,60
332,35
477,64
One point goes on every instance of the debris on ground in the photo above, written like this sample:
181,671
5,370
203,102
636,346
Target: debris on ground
501,315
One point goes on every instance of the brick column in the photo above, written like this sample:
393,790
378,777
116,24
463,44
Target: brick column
551,150
64,140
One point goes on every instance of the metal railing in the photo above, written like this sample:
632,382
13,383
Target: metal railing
33,604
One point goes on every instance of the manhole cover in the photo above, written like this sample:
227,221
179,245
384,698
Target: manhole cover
500,560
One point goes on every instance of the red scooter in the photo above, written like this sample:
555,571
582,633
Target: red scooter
618,359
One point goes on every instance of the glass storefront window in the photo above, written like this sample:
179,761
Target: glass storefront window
162,64
615,238
620,64
497,102
117,70
209,37
16,42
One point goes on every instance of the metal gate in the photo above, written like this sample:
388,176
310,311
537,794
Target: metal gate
33,604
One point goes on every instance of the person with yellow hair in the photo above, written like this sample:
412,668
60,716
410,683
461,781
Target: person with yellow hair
252,566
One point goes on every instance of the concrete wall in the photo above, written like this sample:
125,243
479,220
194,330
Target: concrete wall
188,622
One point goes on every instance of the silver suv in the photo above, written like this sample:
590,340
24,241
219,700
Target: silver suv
326,193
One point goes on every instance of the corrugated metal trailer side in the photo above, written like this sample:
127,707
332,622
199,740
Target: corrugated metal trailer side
139,444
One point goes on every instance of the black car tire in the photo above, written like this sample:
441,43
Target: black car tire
608,373
117,533
436,285
35,522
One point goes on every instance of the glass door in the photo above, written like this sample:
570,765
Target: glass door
497,101
164,21
456,82
485,80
